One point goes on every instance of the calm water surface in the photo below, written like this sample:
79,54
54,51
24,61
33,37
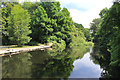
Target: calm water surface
39,64
85,68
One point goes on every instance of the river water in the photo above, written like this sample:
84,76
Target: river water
85,68
39,64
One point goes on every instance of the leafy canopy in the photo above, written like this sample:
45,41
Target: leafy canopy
18,22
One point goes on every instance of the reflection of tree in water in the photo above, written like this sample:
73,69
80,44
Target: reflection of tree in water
103,59
40,64
48,65
55,67
17,66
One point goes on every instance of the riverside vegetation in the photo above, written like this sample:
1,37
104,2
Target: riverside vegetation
42,22
45,22
106,38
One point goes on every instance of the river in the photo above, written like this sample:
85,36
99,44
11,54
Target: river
85,68
39,64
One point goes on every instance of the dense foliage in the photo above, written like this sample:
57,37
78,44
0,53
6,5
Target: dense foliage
85,31
41,22
5,14
94,26
108,36
18,23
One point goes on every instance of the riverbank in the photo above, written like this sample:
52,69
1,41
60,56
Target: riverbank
11,51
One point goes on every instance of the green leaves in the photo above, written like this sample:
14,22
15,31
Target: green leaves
18,25
41,25
48,21
95,25
109,32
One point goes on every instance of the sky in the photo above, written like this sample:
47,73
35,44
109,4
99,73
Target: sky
83,11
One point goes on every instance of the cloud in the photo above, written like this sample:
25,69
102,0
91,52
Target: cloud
84,11
81,17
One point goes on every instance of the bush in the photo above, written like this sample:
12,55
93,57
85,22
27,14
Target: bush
33,43
59,46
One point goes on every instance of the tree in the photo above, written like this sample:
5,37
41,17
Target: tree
79,26
51,24
85,31
30,6
87,34
41,27
114,37
65,25
51,8
6,10
18,28
108,36
103,12
94,26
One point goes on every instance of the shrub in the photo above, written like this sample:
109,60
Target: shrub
33,43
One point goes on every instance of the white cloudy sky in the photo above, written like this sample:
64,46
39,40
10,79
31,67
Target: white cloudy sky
83,11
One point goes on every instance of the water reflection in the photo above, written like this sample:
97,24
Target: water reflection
18,66
40,64
37,64
52,67
103,59
85,68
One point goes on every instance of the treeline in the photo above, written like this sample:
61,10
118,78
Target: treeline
39,22
106,36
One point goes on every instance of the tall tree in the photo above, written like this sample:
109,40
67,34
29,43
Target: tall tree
87,34
41,25
94,26
18,28
104,12
114,37
108,34
6,10
30,6
52,9
51,24
65,25
85,31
